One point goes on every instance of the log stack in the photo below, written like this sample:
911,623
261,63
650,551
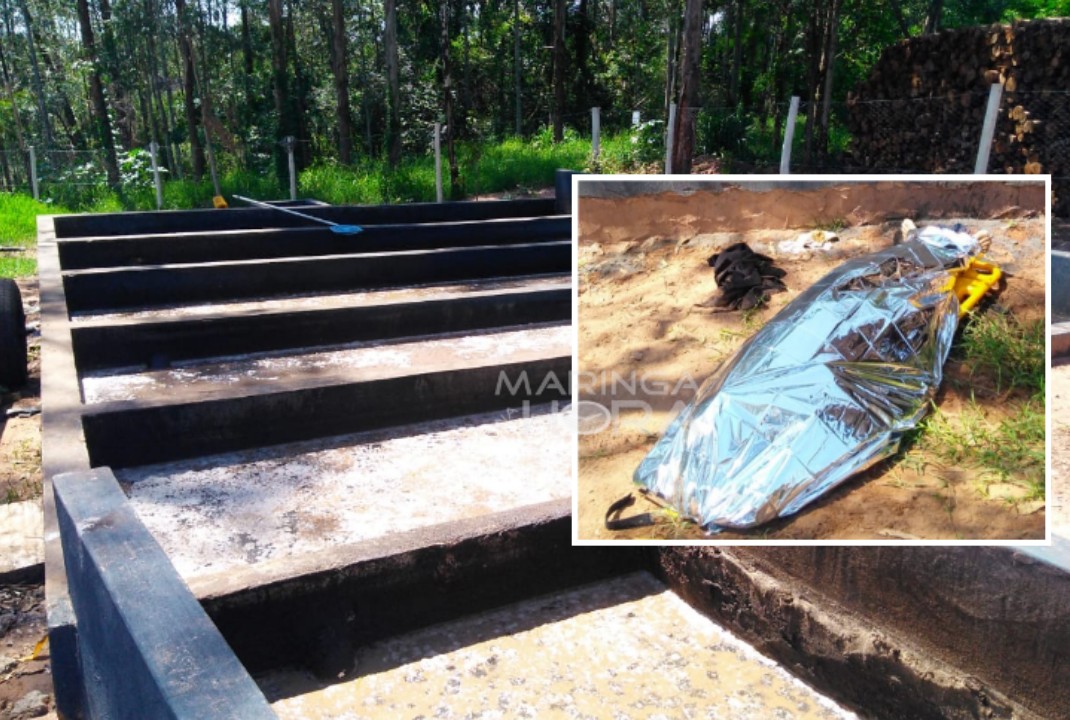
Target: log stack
923,105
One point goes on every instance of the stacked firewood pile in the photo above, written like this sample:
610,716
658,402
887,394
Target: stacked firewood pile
923,106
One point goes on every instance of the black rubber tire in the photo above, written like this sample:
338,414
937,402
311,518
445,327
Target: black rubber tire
12,336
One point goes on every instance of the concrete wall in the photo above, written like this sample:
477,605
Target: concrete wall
907,632
144,640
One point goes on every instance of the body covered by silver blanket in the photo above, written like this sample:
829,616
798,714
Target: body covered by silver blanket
823,391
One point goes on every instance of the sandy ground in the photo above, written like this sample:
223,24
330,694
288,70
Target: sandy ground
20,436
644,337
1059,412
25,678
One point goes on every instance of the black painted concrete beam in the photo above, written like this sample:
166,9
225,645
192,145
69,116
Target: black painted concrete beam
129,344
387,586
146,645
220,246
172,285
237,218
127,433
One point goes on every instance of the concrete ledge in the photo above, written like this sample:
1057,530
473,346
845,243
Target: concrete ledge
112,344
22,542
147,644
898,632
381,588
1060,283
125,434
171,285
140,223
1060,342
219,246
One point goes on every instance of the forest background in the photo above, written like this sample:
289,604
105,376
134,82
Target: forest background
219,85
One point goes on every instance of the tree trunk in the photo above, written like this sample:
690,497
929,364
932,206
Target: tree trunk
932,17
19,137
672,48
96,94
66,112
737,54
189,90
516,65
447,98
830,67
583,79
299,93
125,117
684,145
814,46
559,70
365,106
390,47
35,76
280,82
339,65
247,59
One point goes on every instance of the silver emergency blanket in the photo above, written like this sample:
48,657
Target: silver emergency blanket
824,390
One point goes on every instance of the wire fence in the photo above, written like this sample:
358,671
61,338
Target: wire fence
935,134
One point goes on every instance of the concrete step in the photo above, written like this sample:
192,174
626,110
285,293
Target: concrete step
625,647
163,339
183,413
238,218
176,285
321,301
22,543
280,507
274,242
262,373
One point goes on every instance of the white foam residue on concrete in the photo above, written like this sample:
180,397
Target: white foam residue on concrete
485,348
228,511
624,648
313,302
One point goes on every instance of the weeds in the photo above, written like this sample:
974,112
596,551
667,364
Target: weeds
1009,351
17,266
18,219
1011,450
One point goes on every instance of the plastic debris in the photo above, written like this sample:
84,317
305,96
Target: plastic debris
813,240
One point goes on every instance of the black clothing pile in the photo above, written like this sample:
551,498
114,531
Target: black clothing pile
745,278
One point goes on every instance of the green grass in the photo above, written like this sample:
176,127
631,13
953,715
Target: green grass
18,219
1002,359
511,164
1010,450
1005,350
13,267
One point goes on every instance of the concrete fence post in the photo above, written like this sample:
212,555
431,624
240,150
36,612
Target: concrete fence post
33,174
153,149
636,118
789,136
995,94
438,162
288,142
669,138
596,131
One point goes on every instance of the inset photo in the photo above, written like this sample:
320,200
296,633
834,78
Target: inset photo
812,359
